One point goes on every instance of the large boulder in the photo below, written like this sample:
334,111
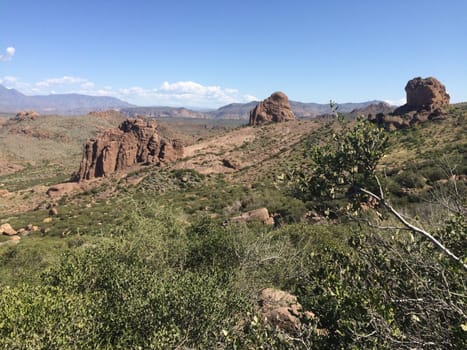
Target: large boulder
428,92
134,141
275,108
426,100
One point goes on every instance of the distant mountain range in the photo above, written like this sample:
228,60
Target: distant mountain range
12,101
242,110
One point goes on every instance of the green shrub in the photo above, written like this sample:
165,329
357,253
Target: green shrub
410,178
45,317
210,246
124,295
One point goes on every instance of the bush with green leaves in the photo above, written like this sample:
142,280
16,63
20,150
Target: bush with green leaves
371,290
344,165
128,292
210,246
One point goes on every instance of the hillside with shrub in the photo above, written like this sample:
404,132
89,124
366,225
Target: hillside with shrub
164,257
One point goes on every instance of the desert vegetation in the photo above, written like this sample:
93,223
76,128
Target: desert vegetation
152,260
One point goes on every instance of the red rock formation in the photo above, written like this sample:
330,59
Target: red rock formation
135,141
426,99
426,92
275,108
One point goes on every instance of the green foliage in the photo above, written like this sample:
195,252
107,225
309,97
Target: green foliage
210,246
380,292
46,317
154,277
410,178
345,164
454,234
127,292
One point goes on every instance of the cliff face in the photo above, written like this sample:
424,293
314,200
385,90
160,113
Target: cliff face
134,141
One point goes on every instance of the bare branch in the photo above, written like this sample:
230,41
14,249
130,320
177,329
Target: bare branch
414,228
380,188
370,224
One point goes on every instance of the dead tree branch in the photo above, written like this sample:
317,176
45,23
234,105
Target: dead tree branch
380,198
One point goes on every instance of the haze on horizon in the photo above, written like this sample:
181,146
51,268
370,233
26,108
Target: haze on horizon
207,53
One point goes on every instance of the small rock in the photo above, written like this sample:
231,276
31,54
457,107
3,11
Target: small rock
60,190
261,214
281,309
6,229
228,163
53,212
46,220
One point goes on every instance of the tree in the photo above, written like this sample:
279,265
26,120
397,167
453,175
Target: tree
346,169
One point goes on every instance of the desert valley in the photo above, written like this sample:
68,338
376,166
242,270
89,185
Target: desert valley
273,224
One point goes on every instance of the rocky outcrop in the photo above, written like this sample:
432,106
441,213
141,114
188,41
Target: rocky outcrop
134,141
27,115
426,100
275,108
428,92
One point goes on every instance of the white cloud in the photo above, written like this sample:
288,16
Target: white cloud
65,80
399,102
195,94
12,82
181,93
9,53
249,98
87,85
8,79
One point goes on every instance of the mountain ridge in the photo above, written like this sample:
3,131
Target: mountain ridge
241,111
13,101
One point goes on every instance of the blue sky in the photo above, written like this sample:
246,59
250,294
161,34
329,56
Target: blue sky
204,53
